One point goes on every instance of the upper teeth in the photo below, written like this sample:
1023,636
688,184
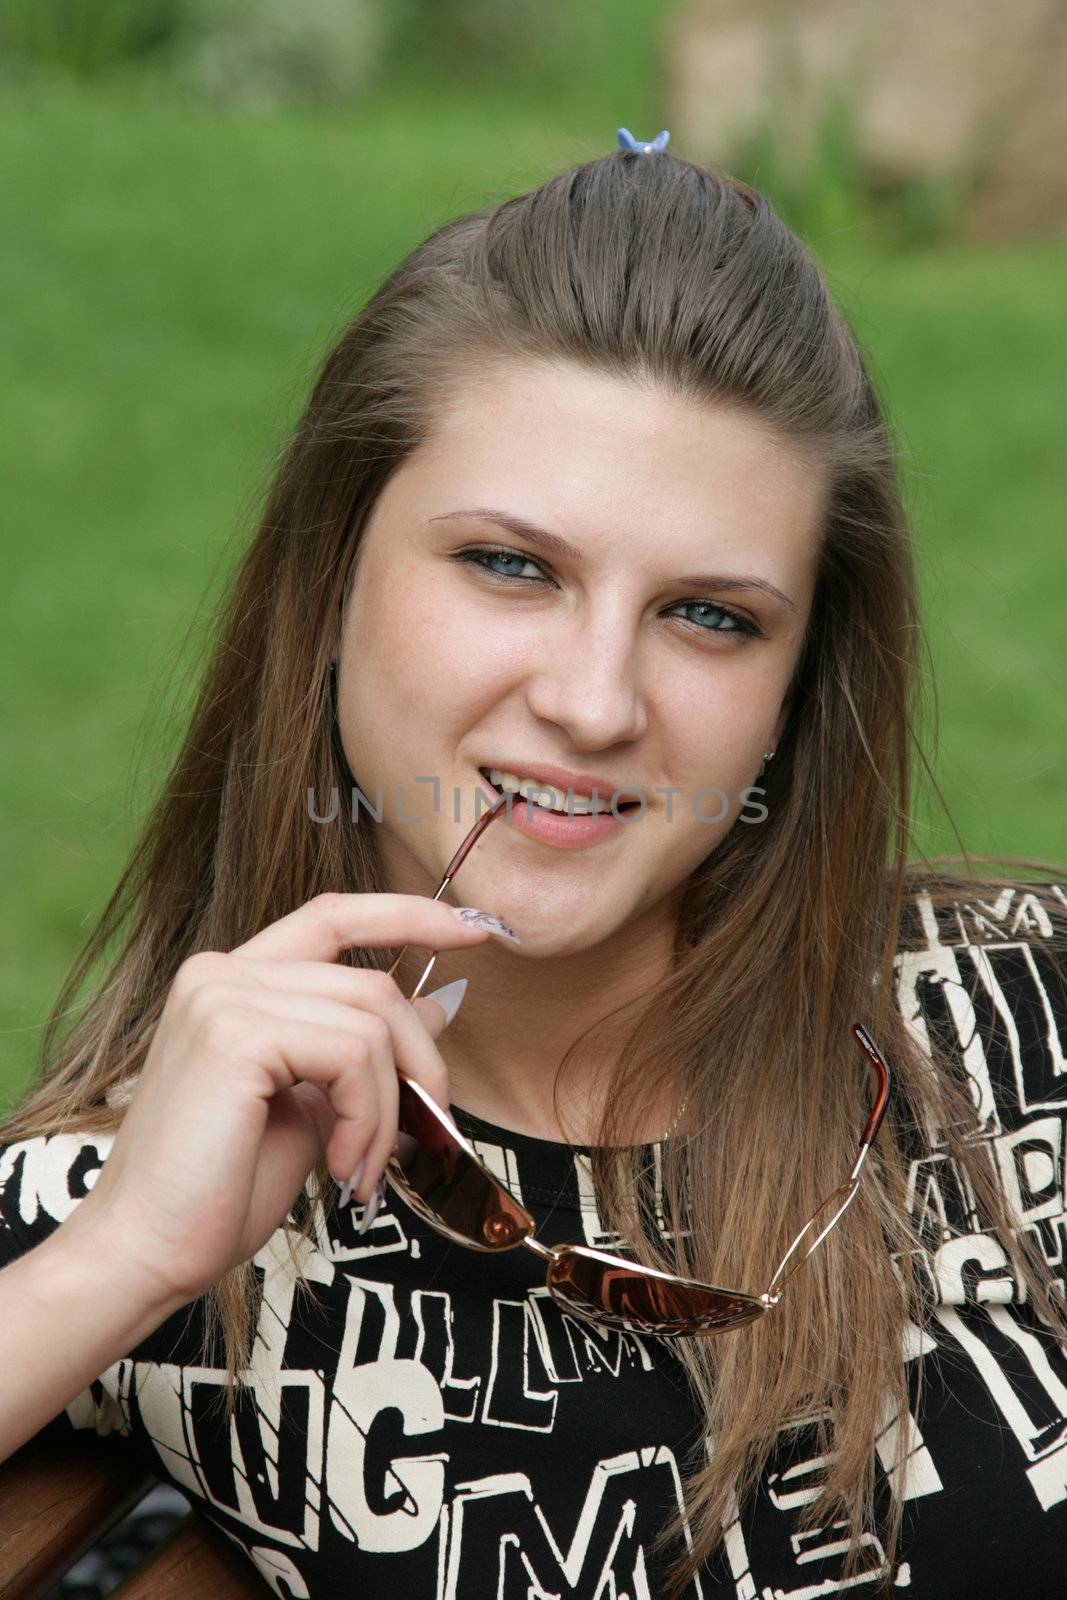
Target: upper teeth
546,795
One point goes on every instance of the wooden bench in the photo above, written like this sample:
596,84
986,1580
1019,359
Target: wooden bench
59,1496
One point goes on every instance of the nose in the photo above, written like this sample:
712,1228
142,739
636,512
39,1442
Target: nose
589,685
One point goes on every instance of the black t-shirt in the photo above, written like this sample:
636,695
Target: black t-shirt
439,1426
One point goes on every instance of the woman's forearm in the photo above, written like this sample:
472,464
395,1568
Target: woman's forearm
69,1309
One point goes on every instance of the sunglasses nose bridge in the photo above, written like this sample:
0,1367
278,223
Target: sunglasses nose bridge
540,1249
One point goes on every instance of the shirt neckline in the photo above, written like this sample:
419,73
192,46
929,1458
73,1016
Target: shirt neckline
475,1127
542,1171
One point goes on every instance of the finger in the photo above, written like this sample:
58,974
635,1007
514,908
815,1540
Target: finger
299,1123
319,1113
376,1034
414,1024
327,924
282,1051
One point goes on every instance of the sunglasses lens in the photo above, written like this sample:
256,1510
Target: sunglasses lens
611,1291
445,1186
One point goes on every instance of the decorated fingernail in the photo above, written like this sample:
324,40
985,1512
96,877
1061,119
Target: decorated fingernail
481,919
346,1192
370,1210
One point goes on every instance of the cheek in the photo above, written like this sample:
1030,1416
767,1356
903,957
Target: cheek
413,658
458,656
444,664
713,743
711,727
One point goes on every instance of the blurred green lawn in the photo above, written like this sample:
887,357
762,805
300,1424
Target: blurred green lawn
171,276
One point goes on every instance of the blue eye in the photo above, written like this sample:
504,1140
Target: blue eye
483,554
474,557
743,625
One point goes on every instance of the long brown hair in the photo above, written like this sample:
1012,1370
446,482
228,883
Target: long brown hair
663,273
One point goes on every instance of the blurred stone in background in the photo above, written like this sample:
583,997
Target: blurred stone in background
971,93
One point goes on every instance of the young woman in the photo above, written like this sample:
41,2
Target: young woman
595,492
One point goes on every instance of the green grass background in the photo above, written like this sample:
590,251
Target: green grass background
171,276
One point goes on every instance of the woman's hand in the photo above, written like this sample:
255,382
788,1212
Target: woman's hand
263,1058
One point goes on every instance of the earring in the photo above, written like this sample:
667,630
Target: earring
768,755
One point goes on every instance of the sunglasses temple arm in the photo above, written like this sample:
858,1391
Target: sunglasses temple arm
848,1189
778,1282
450,872
880,1067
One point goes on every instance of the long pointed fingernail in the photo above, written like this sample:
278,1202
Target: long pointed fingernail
449,996
370,1210
346,1192
481,919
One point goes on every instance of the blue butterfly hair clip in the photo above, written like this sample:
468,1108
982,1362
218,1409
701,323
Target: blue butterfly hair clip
628,142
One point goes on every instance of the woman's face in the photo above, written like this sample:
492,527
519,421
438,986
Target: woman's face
646,652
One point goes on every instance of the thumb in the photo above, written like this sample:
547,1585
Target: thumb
437,1008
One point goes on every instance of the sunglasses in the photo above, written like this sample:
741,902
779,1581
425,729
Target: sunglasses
438,1174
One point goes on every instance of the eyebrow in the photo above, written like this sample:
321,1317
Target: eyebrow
554,545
